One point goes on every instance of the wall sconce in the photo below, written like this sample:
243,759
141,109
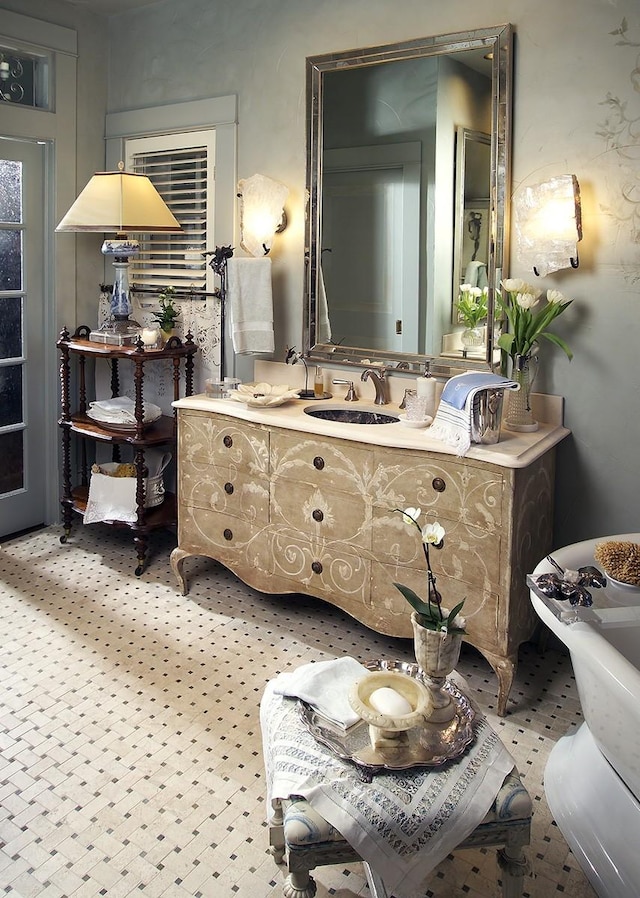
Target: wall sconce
261,213
548,225
122,203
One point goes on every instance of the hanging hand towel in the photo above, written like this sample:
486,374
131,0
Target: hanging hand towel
250,304
452,423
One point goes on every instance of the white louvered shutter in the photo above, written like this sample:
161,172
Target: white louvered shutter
181,168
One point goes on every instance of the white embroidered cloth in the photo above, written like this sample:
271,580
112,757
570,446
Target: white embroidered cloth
403,823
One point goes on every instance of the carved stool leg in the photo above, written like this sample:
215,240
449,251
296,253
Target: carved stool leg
514,866
276,834
299,885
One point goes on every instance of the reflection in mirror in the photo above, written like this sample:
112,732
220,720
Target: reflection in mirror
406,170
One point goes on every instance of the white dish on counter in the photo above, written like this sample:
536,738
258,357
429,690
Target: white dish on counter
263,395
411,422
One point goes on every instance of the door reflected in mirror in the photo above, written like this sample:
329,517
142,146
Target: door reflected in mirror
407,170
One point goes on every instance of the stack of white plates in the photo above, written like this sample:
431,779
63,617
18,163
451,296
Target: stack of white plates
119,412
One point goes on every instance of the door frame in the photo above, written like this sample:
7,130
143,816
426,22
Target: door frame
57,129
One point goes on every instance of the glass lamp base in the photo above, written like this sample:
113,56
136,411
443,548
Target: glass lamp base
118,332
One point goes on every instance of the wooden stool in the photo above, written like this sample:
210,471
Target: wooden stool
302,839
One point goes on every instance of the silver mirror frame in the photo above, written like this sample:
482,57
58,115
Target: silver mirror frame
496,40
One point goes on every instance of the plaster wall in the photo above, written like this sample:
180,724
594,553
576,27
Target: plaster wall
576,109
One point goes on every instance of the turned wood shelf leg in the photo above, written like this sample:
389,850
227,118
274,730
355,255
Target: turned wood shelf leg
142,545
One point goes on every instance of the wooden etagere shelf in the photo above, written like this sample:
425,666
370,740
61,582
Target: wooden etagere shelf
75,350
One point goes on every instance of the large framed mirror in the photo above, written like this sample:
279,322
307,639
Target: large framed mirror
407,145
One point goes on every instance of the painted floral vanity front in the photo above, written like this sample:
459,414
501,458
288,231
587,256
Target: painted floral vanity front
291,504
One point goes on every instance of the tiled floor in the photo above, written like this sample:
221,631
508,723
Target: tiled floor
130,753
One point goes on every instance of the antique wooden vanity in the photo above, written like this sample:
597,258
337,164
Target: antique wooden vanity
292,504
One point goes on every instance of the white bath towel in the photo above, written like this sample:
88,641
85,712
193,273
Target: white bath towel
250,305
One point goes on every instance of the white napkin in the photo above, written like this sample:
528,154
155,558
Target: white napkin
325,686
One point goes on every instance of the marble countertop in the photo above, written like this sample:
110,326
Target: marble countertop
513,450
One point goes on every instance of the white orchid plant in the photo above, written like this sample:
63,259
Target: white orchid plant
430,613
526,324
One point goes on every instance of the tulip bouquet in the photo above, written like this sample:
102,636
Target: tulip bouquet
526,324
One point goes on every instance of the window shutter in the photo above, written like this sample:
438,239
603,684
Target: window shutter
183,176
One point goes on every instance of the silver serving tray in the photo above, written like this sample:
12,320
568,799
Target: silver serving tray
428,745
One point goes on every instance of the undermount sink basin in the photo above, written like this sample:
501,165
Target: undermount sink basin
351,415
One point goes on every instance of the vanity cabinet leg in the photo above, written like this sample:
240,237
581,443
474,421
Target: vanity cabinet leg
505,670
177,565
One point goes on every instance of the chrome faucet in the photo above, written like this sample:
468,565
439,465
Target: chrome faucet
379,382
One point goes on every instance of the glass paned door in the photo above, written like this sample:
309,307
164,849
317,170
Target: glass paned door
22,467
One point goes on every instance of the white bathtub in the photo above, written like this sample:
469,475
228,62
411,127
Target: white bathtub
592,778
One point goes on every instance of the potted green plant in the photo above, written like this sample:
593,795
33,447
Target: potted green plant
167,315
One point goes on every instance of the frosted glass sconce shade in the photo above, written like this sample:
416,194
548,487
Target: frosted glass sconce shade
548,225
261,212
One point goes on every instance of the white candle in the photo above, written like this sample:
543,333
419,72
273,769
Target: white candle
149,336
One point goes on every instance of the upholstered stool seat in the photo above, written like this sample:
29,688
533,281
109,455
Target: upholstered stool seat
302,839
399,821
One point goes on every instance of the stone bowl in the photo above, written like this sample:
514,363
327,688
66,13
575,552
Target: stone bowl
387,727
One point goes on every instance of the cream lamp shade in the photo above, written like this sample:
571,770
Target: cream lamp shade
121,203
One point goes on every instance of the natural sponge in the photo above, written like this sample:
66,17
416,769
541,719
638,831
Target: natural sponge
620,560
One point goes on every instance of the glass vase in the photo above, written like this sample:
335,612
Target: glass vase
519,415
472,337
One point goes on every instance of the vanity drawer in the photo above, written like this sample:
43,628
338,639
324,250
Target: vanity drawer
338,464
392,610
321,513
323,569
225,490
439,487
469,554
235,542
227,442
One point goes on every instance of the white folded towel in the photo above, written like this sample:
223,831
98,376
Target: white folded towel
452,423
325,686
250,305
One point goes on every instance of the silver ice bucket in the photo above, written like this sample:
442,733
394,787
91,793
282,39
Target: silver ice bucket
486,415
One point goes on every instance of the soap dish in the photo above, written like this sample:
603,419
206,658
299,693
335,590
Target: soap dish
411,422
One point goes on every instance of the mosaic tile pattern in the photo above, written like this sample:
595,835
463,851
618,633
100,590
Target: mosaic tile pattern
130,751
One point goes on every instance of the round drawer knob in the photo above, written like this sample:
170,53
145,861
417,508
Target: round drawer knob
317,515
228,488
228,534
438,484
228,441
318,463
316,567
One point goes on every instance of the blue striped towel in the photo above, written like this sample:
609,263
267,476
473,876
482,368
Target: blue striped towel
452,423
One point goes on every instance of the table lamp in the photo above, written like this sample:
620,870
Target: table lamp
122,203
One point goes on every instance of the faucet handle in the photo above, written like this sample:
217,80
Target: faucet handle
351,393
